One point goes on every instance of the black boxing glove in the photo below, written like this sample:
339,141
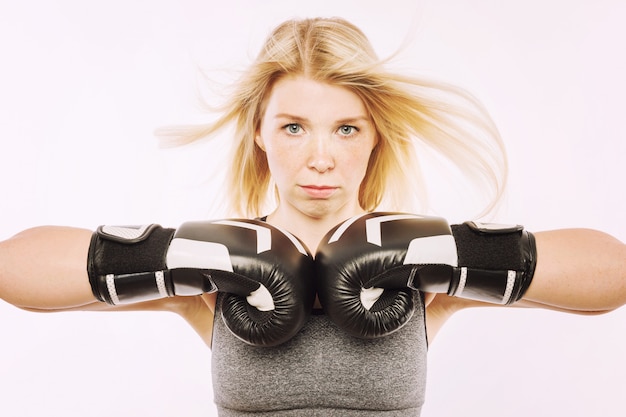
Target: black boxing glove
265,273
368,266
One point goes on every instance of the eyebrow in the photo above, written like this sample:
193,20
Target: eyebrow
340,121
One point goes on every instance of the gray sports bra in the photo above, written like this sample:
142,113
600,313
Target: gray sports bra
322,372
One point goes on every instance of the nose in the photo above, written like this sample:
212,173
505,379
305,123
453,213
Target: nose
321,156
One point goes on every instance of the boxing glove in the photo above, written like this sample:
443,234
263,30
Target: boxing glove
266,274
368,266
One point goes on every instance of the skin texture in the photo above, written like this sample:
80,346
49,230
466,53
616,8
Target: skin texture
317,138
317,154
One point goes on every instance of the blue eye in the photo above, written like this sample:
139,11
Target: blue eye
293,128
347,130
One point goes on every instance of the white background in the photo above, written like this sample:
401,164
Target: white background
83,85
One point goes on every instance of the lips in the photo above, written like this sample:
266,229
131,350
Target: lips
319,191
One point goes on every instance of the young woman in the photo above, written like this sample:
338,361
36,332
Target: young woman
323,134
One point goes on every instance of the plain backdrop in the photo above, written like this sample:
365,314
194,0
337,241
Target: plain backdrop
84,84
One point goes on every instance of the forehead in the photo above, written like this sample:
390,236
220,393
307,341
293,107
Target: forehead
300,94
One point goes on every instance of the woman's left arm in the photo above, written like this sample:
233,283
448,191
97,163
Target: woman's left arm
578,270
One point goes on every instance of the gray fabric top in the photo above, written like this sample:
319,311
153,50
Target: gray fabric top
321,372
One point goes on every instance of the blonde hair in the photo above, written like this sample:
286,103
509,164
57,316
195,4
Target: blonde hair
405,110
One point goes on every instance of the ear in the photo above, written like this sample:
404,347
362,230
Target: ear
259,141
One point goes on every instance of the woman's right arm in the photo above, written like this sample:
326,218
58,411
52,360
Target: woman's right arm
45,268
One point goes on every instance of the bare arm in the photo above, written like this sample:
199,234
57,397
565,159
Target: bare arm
579,270
45,268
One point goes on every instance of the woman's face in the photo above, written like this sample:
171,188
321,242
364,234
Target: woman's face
318,138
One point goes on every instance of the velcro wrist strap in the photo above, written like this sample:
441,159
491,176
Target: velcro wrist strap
137,251
496,263
497,287
134,288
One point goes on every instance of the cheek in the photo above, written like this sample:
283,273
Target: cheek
281,161
360,159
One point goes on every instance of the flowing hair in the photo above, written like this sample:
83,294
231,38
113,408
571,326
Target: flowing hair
405,110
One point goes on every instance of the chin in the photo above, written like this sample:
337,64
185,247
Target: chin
315,208
324,209
318,210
